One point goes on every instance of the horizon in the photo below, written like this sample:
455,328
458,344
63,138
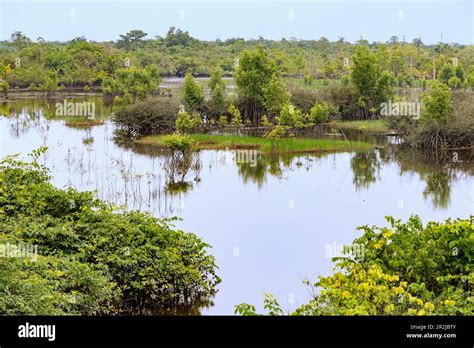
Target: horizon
374,21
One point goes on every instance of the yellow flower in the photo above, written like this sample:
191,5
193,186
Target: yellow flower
399,290
377,246
449,302
363,286
389,308
421,312
429,306
345,294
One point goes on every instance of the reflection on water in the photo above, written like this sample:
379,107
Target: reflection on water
269,222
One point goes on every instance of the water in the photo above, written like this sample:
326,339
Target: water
271,225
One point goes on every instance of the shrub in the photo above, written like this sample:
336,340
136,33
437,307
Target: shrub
291,117
276,133
222,122
178,142
236,119
437,103
264,121
196,120
455,82
193,95
320,112
93,258
183,122
151,116
457,132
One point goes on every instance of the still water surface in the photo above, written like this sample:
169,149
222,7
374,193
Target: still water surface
271,225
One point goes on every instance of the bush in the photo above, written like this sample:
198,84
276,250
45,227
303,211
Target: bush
457,132
320,112
236,119
178,142
437,103
157,115
93,258
290,117
222,122
183,122
404,269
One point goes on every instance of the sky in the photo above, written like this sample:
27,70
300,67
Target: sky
105,20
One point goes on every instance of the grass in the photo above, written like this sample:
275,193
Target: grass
284,145
375,126
316,84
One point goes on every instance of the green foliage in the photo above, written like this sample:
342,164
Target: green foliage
93,258
196,121
459,73
222,122
437,103
79,62
132,40
137,82
252,76
470,80
405,269
275,95
178,142
320,112
183,123
264,121
156,115
373,85
193,95
446,73
291,117
216,79
4,86
455,82
276,133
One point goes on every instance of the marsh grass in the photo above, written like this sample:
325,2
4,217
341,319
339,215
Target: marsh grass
283,145
375,126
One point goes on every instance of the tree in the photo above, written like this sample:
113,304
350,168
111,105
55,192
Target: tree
372,85
133,39
183,122
218,100
320,112
236,119
217,87
193,94
437,103
134,81
252,75
216,78
459,73
4,86
275,95
20,40
446,73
